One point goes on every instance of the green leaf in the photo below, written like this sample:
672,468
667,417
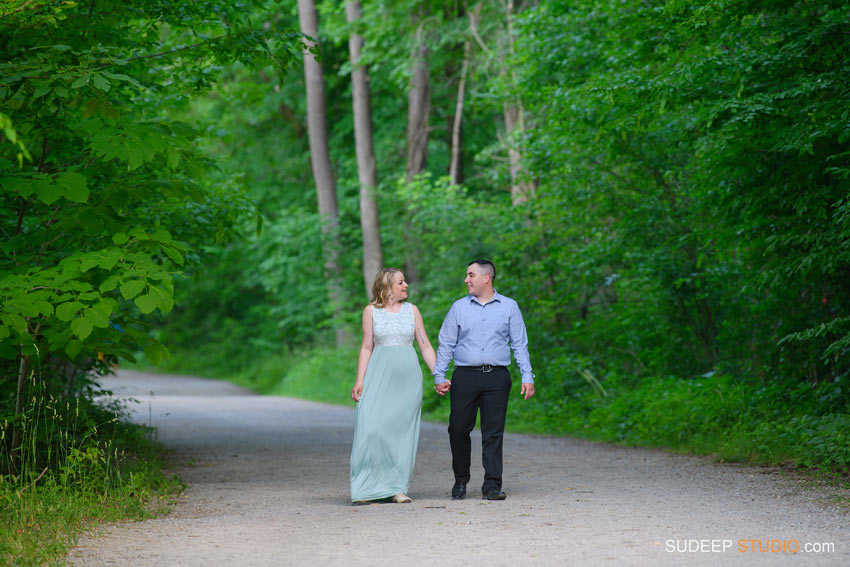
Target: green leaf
23,186
74,186
100,82
108,110
67,311
120,77
110,258
91,108
195,168
46,191
73,348
4,332
162,235
82,81
89,262
156,352
120,238
25,305
104,308
172,158
81,286
132,288
135,156
139,233
173,254
147,303
18,323
44,307
164,299
81,327
96,317
41,91
109,283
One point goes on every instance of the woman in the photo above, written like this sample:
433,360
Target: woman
388,392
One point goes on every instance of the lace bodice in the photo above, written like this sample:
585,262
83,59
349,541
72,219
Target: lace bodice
393,329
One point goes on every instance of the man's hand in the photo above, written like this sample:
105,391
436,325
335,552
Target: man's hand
442,389
527,390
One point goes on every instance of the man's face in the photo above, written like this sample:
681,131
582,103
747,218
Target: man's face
476,280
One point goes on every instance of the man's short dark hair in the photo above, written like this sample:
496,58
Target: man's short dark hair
488,266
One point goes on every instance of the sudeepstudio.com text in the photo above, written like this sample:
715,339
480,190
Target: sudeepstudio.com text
746,546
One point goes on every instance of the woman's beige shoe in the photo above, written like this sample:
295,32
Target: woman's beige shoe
402,498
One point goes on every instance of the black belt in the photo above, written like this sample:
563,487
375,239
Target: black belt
483,367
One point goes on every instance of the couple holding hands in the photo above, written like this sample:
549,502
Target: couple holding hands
478,332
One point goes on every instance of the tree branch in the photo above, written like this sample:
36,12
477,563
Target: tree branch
474,29
46,244
21,9
171,52
30,485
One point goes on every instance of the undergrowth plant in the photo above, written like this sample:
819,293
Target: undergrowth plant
78,463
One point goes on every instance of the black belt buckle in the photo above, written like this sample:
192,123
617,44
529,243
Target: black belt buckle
487,368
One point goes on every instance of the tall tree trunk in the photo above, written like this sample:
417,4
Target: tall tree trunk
418,113
521,190
320,158
418,103
373,257
456,167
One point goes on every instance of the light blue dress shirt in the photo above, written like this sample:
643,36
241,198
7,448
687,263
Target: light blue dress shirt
475,333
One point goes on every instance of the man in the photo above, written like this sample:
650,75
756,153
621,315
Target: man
477,332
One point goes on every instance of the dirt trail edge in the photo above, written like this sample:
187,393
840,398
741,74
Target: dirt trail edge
268,485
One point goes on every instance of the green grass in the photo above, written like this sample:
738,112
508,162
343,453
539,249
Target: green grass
325,375
42,523
79,467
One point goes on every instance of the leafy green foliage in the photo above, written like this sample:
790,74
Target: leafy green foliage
690,144
104,198
106,201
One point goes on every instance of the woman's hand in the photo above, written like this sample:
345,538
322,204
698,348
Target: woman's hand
357,391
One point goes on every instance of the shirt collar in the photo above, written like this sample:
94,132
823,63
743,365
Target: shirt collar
496,297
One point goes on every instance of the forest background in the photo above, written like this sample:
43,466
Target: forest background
663,187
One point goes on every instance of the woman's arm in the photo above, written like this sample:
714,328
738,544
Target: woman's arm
366,346
425,347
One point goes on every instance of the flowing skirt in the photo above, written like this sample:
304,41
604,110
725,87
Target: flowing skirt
386,425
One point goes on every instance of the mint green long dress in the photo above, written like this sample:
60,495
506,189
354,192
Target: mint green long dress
386,425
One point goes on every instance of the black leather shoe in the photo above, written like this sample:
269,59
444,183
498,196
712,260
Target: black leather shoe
458,490
494,494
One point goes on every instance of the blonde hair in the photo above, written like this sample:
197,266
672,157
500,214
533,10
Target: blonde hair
382,286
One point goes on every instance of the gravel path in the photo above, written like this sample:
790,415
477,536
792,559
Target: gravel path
268,485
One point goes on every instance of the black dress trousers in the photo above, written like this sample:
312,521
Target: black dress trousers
473,389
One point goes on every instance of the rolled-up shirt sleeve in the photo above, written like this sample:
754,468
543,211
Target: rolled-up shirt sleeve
447,341
519,344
